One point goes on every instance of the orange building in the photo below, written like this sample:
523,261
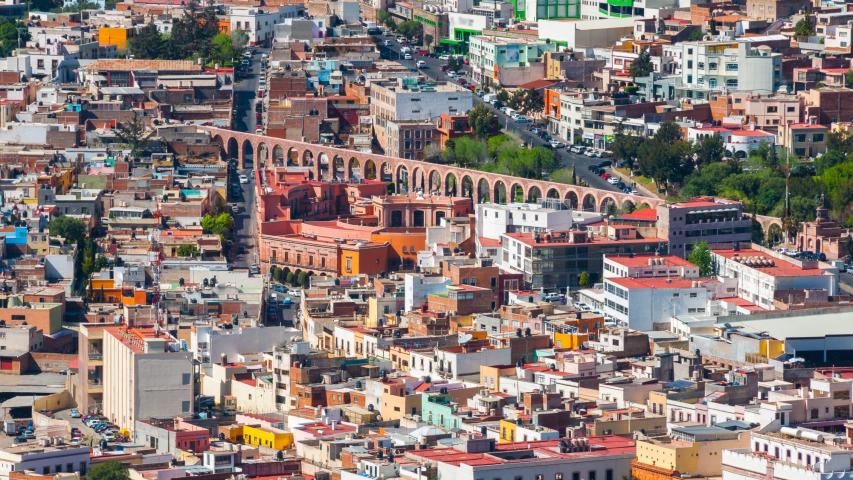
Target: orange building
117,36
404,245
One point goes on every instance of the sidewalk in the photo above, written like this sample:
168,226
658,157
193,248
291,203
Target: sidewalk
634,184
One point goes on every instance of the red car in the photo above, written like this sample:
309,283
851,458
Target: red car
605,175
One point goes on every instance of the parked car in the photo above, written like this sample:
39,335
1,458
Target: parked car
244,179
254,269
75,413
444,57
407,56
422,64
557,144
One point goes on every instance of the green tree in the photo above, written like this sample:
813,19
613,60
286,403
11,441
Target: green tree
709,150
700,255
222,51
455,64
837,183
467,152
133,134
288,278
187,250
805,27
222,225
385,18
642,66
663,158
109,470
192,34
503,96
625,147
147,43
483,121
848,78
44,5
411,29
9,35
583,280
428,40
302,279
532,101
71,229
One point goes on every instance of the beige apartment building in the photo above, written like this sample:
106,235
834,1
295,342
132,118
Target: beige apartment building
146,374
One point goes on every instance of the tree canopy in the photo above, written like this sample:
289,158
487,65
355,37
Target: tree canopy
805,27
483,121
700,255
71,229
222,225
642,66
109,470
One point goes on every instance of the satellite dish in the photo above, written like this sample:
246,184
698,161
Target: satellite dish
465,337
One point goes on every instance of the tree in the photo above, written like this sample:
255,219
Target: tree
411,29
848,78
147,43
663,157
709,150
9,35
700,255
455,64
133,134
288,278
428,40
385,18
187,250
109,470
805,27
625,147
483,121
71,229
302,280
583,280
642,66
221,225
222,51
192,33
503,96
532,101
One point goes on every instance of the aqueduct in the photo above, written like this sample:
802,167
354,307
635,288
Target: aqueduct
330,163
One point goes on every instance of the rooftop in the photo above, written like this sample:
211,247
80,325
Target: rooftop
637,261
770,265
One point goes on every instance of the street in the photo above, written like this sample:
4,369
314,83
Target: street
242,195
564,157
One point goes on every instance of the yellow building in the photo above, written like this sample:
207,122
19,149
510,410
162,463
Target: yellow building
117,36
572,341
270,438
507,429
490,376
691,451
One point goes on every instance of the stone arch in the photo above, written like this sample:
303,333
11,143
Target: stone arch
263,153
500,192
533,194
248,153
232,148
417,180
292,156
553,193
628,205
434,181
571,199
607,204
386,173
450,187
307,158
278,156
338,170
370,169
401,179
588,204
325,166
354,169
483,190
643,206
467,187
516,193
774,234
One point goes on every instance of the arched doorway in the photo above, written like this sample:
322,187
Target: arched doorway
483,190
354,169
607,206
450,185
277,156
571,199
434,182
370,169
588,203
401,180
500,192
533,194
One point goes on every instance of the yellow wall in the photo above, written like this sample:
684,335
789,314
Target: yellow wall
569,340
113,36
507,431
771,348
266,438
694,459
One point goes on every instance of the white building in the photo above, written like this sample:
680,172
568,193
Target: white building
213,344
42,460
641,303
647,266
761,273
418,286
738,143
728,66
146,375
494,219
792,453
457,362
259,24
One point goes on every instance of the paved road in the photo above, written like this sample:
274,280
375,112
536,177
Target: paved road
565,157
245,251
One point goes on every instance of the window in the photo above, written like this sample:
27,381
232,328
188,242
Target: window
608,474
185,379
185,406
591,475
818,137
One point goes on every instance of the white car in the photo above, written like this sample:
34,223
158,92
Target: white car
451,74
421,64
613,180
555,144
407,56
444,57
244,179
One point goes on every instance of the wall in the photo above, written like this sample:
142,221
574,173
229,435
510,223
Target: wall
54,402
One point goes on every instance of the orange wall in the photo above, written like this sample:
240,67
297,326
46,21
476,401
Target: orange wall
413,239
369,261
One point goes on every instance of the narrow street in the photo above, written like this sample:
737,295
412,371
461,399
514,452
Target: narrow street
243,194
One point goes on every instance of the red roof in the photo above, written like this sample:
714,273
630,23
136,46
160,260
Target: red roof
648,214
742,302
751,133
537,84
807,125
